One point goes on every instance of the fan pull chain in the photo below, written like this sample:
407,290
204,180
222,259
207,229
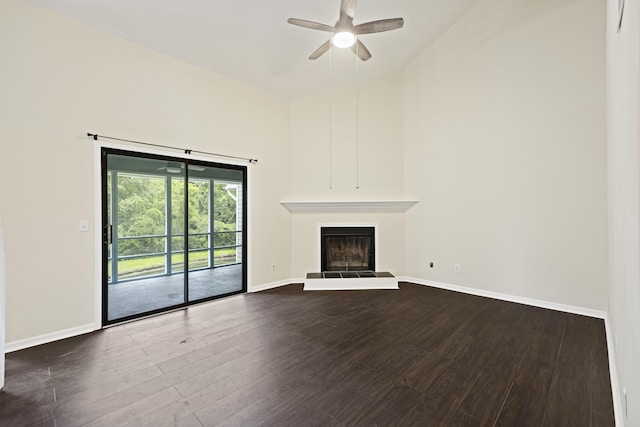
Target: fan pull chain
330,119
357,116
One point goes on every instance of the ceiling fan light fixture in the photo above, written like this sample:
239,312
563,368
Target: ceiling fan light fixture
173,169
343,39
345,34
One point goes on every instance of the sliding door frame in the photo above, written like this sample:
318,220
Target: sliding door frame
100,217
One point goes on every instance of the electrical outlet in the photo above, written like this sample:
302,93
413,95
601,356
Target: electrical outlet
84,225
273,267
457,268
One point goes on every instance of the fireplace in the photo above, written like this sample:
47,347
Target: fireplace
347,249
348,261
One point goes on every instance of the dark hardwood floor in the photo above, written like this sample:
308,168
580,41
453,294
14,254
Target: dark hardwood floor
416,357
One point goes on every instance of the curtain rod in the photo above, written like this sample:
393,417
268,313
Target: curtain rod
185,150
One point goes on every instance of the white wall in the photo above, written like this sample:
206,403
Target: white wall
505,149
351,136
61,79
359,126
623,138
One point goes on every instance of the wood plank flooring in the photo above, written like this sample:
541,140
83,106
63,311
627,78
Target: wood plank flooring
414,357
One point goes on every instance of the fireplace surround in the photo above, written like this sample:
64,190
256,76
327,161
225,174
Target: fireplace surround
348,260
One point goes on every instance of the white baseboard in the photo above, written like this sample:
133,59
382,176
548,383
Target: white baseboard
506,297
613,372
47,338
273,285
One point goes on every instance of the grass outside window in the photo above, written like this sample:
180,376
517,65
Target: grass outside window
154,265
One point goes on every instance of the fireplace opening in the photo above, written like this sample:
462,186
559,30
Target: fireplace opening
347,248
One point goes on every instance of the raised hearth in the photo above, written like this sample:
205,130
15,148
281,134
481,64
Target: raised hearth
349,280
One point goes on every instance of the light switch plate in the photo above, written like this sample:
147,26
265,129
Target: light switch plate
84,225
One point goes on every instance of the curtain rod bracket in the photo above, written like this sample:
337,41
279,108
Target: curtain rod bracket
187,151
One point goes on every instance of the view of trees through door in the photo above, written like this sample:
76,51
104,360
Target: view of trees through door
148,240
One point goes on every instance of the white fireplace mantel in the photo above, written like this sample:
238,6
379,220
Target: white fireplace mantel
350,206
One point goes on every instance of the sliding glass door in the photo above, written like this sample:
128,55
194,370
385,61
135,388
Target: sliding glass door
173,233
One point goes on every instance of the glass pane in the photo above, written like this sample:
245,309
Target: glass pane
141,205
198,206
177,243
224,238
198,259
215,267
177,257
227,256
177,206
198,241
109,223
141,266
140,197
141,246
226,208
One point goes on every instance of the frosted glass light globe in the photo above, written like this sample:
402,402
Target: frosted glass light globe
343,39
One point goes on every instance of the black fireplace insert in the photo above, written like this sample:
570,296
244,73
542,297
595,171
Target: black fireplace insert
347,249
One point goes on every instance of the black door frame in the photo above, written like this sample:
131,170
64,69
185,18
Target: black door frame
105,230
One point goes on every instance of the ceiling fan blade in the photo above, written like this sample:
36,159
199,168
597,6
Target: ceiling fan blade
379,26
347,9
311,24
321,50
361,50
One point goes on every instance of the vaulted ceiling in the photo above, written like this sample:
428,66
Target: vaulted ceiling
250,40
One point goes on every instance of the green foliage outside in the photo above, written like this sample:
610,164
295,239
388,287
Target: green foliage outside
142,212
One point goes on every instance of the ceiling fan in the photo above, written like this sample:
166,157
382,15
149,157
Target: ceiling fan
345,34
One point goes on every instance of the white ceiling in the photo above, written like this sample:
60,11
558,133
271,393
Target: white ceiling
250,40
